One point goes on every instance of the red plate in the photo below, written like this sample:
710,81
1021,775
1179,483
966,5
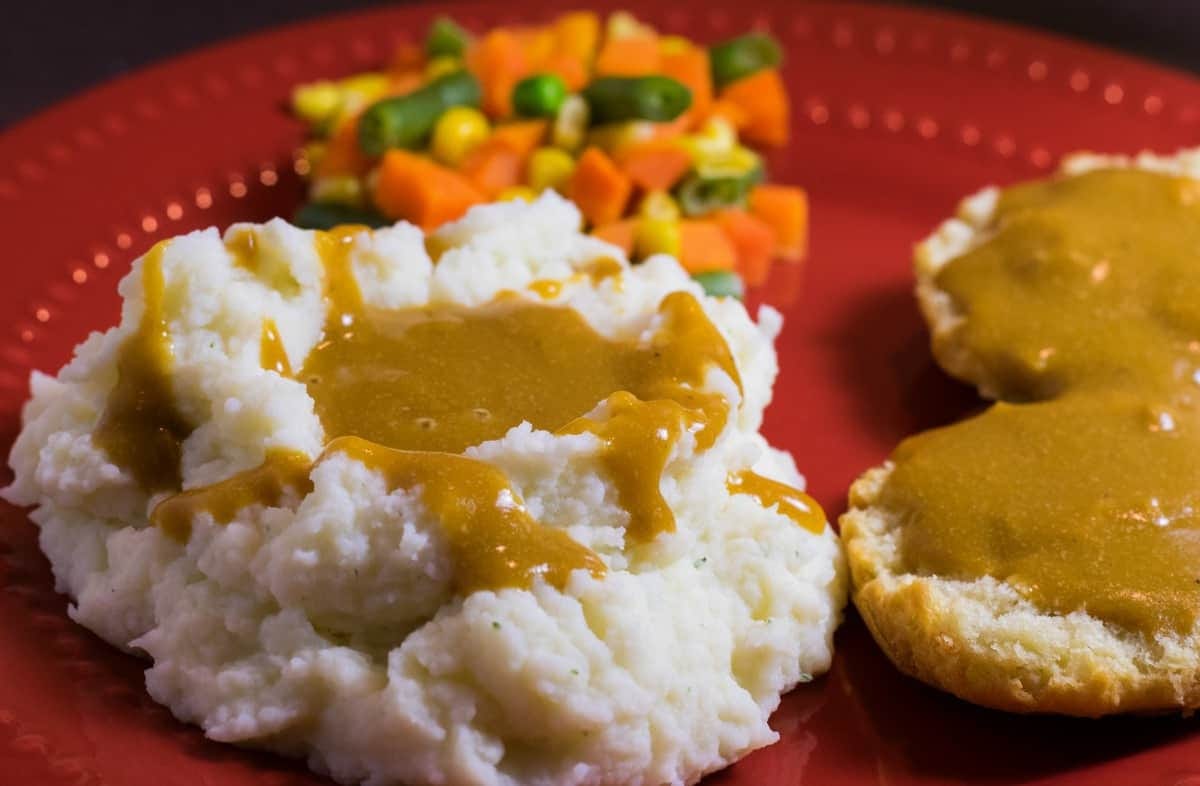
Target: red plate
897,114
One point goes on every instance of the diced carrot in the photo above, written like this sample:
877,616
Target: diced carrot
754,241
538,43
730,112
691,68
568,67
342,154
493,167
599,188
672,128
408,57
577,34
413,188
404,82
785,210
633,56
704,246
619,233
499,163
522,137
764,100
575,37
498,61
656,165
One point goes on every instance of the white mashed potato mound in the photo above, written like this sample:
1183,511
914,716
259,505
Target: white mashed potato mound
328,628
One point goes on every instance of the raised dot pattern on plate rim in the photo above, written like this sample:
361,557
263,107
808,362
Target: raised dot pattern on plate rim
878,40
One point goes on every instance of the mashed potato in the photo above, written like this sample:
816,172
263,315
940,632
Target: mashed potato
328,625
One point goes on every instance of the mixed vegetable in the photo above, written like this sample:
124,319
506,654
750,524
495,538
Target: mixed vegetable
648,134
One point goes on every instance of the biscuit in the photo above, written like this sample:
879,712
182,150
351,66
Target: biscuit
982,639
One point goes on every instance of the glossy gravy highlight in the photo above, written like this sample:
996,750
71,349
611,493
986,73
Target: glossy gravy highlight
790,501
1085,302
407,391
446,377
272,355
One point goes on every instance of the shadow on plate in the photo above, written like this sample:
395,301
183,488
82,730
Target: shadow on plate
918,734
884,363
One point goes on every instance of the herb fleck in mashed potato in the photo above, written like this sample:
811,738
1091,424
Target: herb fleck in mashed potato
341,496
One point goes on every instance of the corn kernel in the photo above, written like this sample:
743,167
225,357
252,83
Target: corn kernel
622,24
357,93
735,162
715,137
549,167
316,102
656,236
442,65
513,193
613,136
659,205
673,45
341,189
720,131
368,86
570,124
458,131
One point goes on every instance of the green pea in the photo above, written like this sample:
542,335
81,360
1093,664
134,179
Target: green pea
615,99
742,56
446,39
721,283
326,215
407,121
540,95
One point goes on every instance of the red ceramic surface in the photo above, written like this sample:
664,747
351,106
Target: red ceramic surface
897,114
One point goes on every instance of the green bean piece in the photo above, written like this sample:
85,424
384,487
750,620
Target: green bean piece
326,215
407,121
742,56
540,95
446,38
614,99
700,194
721,283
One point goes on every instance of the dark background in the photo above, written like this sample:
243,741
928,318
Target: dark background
49,50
